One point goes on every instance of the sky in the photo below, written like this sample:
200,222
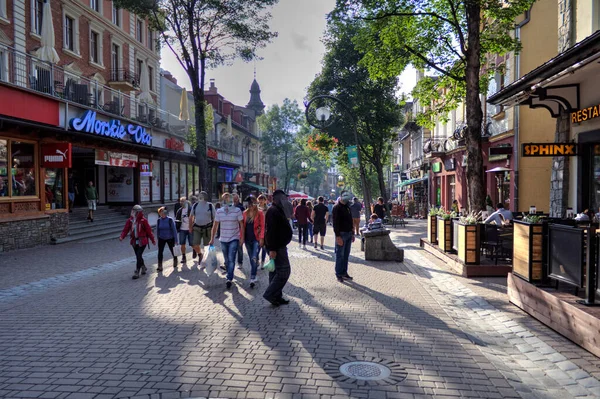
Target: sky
289,63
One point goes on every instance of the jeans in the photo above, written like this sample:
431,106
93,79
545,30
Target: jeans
278,278
342,253
240,255
310,231
263,249
139,251
252,247
161,248
229,250
302,233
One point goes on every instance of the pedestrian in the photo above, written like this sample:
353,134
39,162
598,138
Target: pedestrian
166,231
356,209
455,207
379,208
139,230
201,223
278,235
302,215
193,201
344,235
330,210
91,196
240,251
230,219
254,234
73,191
262,206
309,205
182,222
320,215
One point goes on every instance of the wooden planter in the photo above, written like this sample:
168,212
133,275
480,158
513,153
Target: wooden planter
469,248
528,251
432,229
444,230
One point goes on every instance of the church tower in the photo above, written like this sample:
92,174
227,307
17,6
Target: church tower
255,103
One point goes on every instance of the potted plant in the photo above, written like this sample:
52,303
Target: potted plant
468,237
432,224
444,229
528,248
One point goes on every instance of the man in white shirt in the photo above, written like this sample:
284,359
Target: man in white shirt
201,223
499,215
230,218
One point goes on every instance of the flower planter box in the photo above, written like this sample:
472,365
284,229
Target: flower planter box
444,231
432,229
528,251
469,240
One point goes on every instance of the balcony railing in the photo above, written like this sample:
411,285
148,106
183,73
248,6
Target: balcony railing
228,145
124,75
25,71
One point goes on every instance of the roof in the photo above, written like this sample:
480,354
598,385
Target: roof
587,48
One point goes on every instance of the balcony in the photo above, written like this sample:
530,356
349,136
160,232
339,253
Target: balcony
27,72
123,80
228,145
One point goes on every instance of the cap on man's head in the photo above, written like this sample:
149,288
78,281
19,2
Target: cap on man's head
137,208
203,194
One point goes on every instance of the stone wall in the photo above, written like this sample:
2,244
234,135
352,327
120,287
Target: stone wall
29,233
559,189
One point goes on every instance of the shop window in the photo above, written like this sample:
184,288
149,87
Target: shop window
156,181
4,186
190,181
182,181
54,183
175,181
167,181
23,169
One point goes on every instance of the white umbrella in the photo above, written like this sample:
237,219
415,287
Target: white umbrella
47,52
145,86
498,169
184,113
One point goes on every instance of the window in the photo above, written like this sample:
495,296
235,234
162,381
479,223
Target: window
37,9
19,158
116,15
3,65
3,13
94,47
151,78
114,59
54,183
150,43
138,70
69,33
95,5
140,31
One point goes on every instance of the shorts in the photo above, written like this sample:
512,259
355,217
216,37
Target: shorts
92,205
320,229
183,234
72,197
200,234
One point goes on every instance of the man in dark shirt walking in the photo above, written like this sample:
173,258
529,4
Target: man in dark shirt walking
320,215
344,235
278,235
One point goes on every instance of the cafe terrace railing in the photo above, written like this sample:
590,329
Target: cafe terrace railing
28,72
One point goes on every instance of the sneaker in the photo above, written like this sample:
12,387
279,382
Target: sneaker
136,275
229,283
304,246
183,260
252,282
283,301
273,302
194,254
347,277
144,270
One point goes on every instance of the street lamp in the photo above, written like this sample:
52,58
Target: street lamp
304,164
319,117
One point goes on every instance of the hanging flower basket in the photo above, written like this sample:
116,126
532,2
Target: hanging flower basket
322,143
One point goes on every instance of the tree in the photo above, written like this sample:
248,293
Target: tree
373,101
280,125
457,39
204,34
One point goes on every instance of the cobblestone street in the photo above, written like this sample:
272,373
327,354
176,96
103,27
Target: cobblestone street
73,324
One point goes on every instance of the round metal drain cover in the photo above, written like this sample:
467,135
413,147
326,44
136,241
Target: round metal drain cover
365,371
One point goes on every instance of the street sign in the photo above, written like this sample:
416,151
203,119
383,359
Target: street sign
352,155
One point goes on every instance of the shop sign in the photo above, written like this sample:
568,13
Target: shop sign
585,114
450,164
212,153
145,169
56,155
113,128
109,158
174,144
436,167
549,149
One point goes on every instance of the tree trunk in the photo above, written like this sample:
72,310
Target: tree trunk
201,158
475,179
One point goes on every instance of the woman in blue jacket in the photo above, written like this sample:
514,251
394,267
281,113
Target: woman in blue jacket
167,234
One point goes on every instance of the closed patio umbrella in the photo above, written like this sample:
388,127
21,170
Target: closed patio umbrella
144,95
47,52
184,113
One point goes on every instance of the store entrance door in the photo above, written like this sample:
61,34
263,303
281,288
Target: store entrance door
84,170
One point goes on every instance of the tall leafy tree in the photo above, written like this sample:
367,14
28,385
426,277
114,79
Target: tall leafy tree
280,124
372,100
455,39
205,34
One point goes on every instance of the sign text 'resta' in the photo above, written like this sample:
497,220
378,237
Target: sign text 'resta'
549,149
585,114
113,128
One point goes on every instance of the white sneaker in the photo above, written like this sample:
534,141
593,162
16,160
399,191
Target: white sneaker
304,246
253,280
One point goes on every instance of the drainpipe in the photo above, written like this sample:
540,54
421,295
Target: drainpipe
516,140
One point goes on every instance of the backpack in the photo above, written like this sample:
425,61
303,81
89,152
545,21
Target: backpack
178,219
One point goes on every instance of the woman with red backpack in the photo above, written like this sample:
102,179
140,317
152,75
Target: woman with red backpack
140,232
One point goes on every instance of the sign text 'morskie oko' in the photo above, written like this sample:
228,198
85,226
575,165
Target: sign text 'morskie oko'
113,128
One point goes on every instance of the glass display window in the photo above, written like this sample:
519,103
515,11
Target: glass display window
54,183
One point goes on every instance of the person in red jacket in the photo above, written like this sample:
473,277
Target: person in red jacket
139,230
302,215
254,234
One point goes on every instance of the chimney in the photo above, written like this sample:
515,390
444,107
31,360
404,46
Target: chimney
212,88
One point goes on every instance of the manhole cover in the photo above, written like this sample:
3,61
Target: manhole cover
366,371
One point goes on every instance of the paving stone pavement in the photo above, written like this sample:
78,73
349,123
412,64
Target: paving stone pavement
89,331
